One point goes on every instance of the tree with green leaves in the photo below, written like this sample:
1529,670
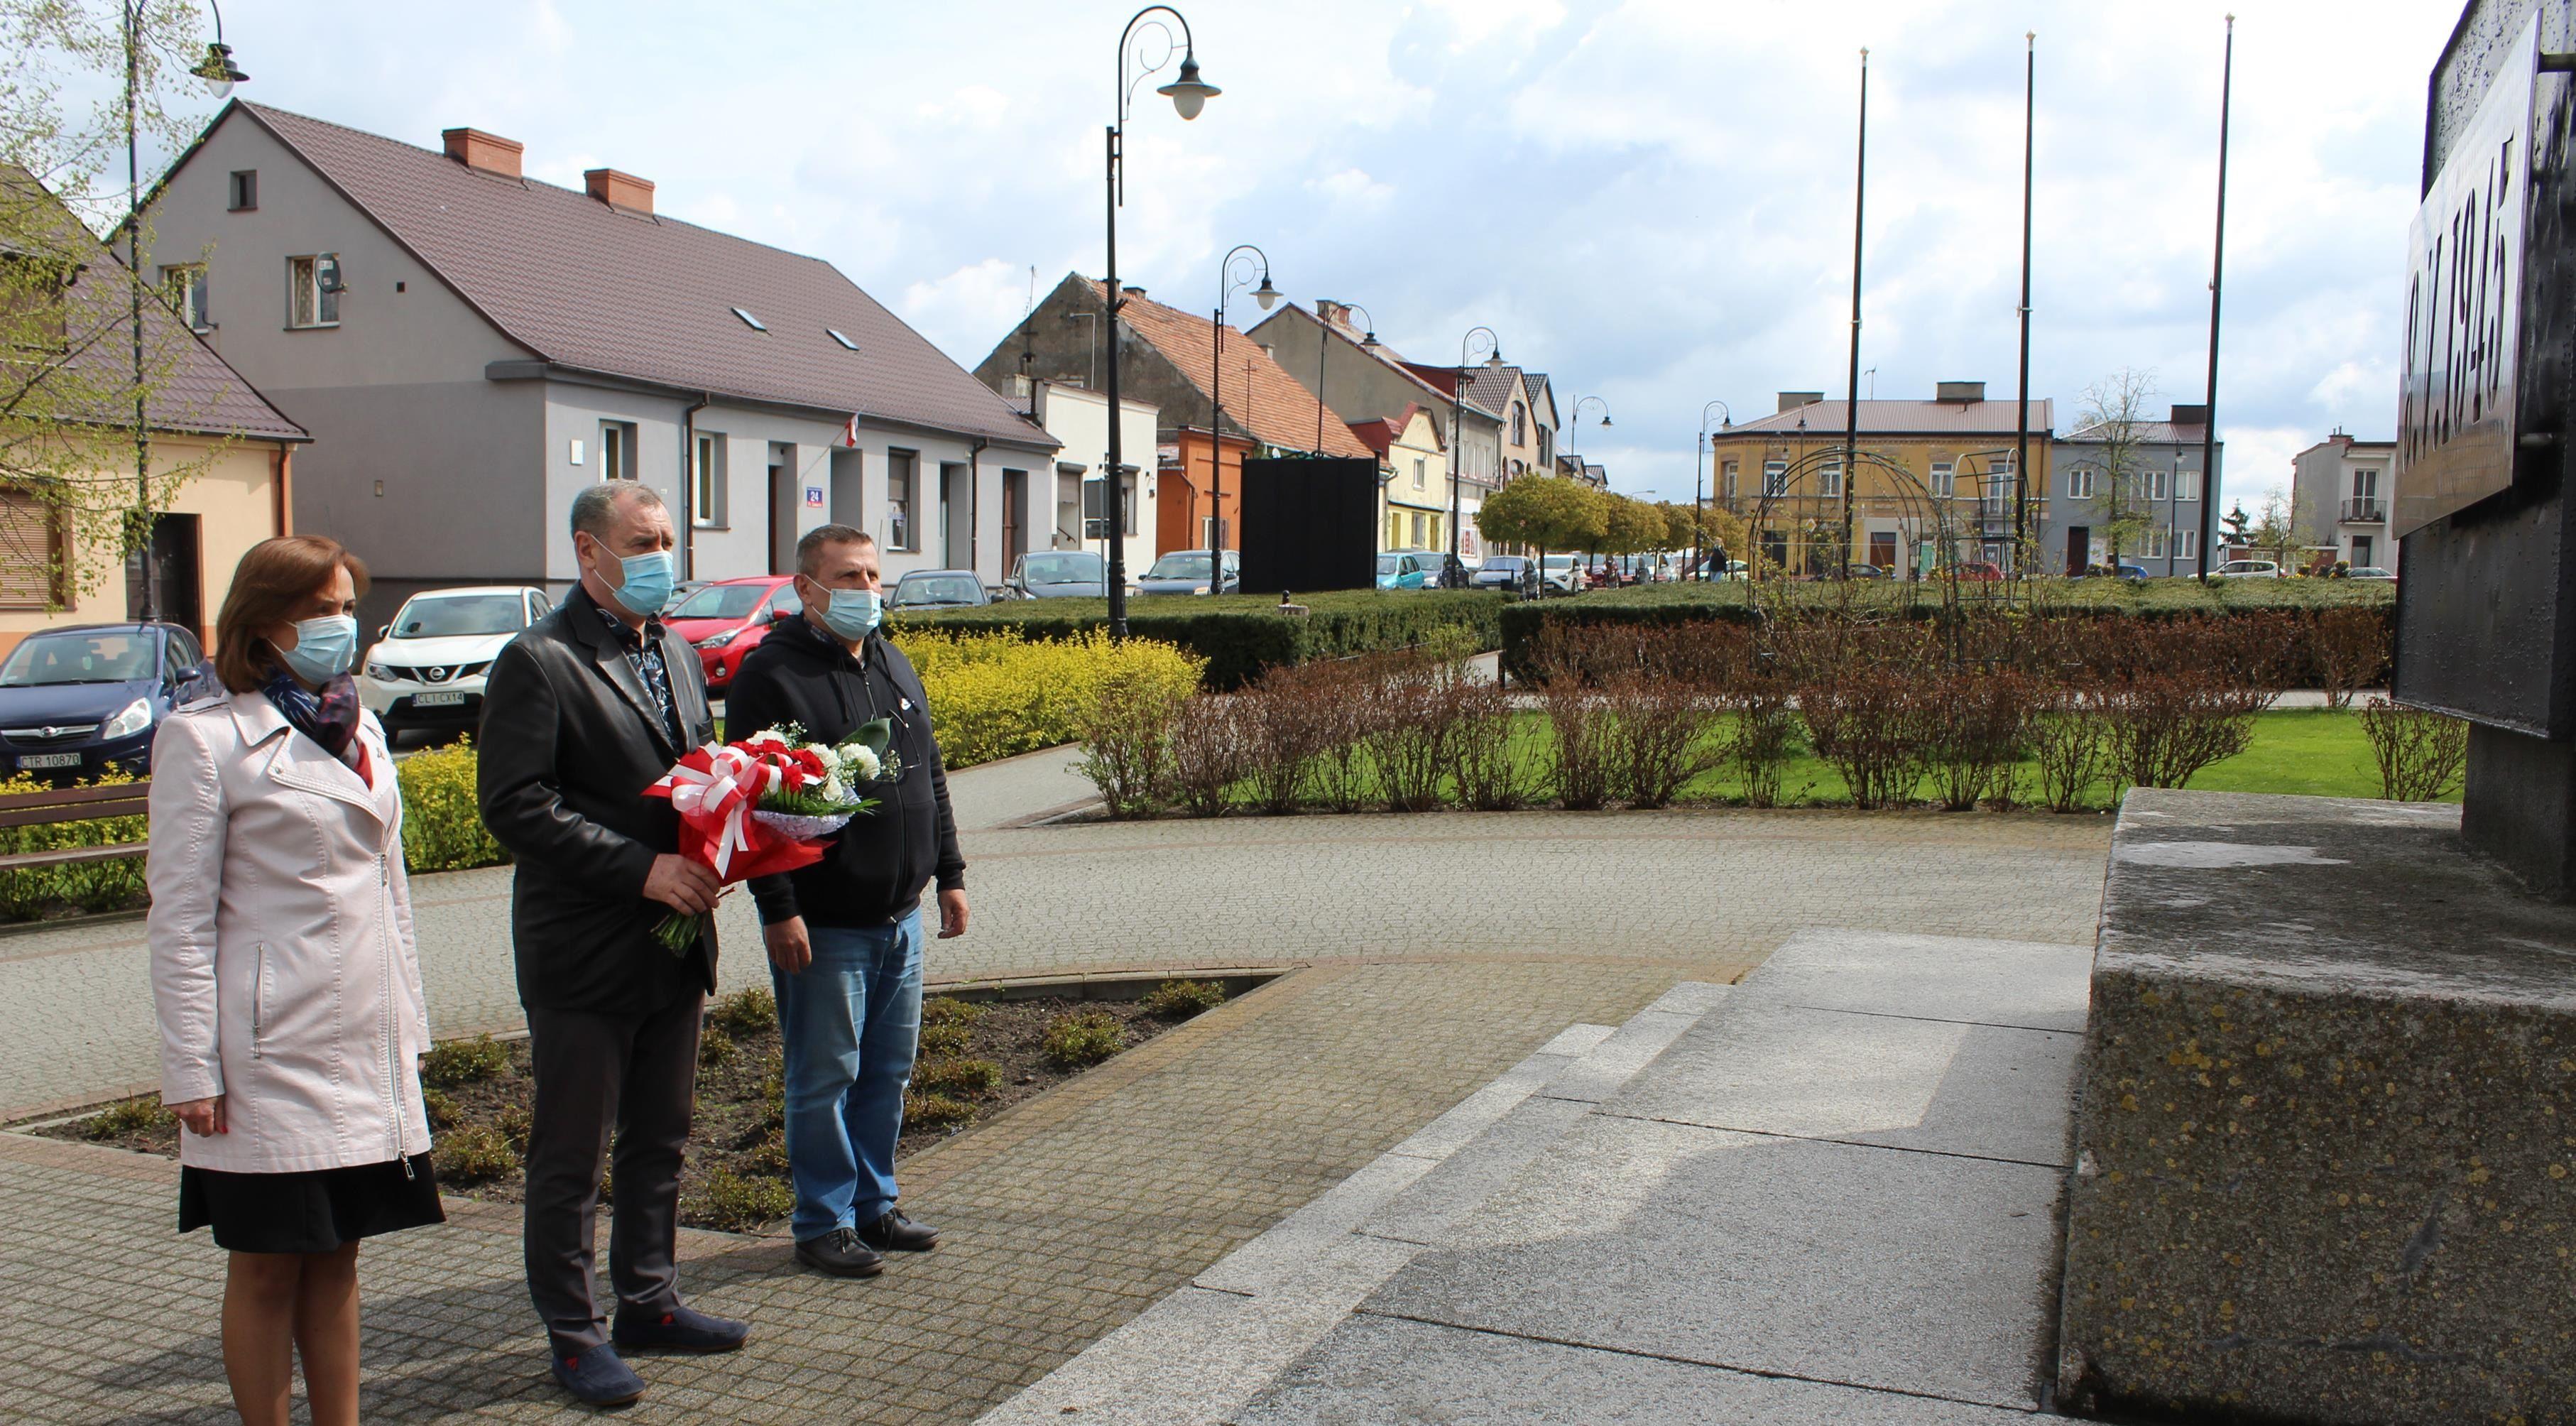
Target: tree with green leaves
81,395
1544,512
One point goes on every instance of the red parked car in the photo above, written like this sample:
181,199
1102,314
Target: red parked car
726,620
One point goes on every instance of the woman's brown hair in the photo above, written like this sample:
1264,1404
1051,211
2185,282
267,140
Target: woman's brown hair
270,586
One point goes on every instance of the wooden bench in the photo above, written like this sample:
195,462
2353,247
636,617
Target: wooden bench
72,804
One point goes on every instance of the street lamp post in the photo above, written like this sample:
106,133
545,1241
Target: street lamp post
1453,574
1189,94
1574,418
220,75
1232,276
1709,445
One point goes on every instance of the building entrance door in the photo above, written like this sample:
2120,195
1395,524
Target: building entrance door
164,582
2079,548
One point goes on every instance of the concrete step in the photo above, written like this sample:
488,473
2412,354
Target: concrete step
1834,1199
1199,1355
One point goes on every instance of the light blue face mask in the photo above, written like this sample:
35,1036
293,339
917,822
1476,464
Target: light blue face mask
853,613
648,583
324,648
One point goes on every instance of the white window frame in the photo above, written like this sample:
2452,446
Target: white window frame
308,306
617,450
903,491
2159,483
2188,545
1829,479
1421,471
2186,483
1775,479
1728,474
2079,482
1945,478
709,487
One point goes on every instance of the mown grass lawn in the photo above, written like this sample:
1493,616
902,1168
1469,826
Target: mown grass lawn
2313,752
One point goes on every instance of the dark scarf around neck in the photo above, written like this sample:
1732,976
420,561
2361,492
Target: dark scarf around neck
329,717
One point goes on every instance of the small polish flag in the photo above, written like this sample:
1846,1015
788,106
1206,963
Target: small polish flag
850,431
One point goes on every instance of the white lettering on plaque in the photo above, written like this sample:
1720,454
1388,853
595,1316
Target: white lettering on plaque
2455,403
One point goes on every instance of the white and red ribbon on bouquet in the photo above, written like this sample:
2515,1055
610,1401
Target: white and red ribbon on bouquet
716,788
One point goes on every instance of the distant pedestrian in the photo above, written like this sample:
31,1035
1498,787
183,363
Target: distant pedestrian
585,710
844,935
285,977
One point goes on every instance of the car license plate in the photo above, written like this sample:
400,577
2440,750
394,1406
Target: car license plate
50,760
438,700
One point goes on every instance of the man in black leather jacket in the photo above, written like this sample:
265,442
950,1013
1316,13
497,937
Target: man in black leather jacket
584,711
844,935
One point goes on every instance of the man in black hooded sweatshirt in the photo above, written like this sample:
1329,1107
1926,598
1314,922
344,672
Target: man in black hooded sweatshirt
844,934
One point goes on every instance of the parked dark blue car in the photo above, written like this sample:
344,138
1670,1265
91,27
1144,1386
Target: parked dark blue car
81,701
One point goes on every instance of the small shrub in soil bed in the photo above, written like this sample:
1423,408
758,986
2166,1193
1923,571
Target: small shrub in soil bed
988,1057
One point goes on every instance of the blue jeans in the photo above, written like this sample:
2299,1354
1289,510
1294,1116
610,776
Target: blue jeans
851,1022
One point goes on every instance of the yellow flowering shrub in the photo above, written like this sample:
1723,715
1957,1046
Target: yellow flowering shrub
91,886
442,818
1000,694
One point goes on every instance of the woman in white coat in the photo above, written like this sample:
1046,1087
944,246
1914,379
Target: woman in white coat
286,980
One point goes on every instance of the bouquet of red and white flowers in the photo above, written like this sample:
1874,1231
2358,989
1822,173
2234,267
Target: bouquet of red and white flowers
768,803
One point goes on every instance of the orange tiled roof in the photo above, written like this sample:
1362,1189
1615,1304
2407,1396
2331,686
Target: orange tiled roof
1258,395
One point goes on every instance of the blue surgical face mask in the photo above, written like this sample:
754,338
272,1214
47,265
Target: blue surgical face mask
324,648
648,583
852,613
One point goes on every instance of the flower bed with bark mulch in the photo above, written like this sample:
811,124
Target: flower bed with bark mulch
976,1060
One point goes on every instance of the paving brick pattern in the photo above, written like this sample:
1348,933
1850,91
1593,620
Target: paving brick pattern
1438,951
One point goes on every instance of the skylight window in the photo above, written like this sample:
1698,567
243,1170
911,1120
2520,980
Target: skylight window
842,337
750,321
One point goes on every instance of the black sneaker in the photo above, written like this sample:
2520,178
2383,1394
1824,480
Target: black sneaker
839,1253
895,1233
595,1376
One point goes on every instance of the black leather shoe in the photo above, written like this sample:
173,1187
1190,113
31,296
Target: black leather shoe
895,1233
839,1253
679,1329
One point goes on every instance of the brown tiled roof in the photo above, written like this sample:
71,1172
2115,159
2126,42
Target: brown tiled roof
193,390
1906,418
650,299
1483,382
1276,408
1491,387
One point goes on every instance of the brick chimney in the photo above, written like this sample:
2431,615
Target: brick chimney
619,190
1792,400
1332,313
488,152
1959,393
2192,415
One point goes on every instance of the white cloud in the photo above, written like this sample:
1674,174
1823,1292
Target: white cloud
1648,199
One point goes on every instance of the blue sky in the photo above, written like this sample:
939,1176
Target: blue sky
1650,200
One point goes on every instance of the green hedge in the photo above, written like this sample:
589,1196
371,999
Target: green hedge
1666,604
1241,634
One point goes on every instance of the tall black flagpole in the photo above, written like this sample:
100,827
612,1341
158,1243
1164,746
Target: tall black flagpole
1851,391
2217,268
2022,554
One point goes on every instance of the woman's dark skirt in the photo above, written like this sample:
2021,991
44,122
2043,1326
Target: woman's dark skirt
315,1211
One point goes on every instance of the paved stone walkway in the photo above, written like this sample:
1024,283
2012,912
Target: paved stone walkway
1438,951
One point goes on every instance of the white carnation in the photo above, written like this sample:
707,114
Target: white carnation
863,760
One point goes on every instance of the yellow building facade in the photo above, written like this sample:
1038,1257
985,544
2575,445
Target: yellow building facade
48,579
1413,480
1930,481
